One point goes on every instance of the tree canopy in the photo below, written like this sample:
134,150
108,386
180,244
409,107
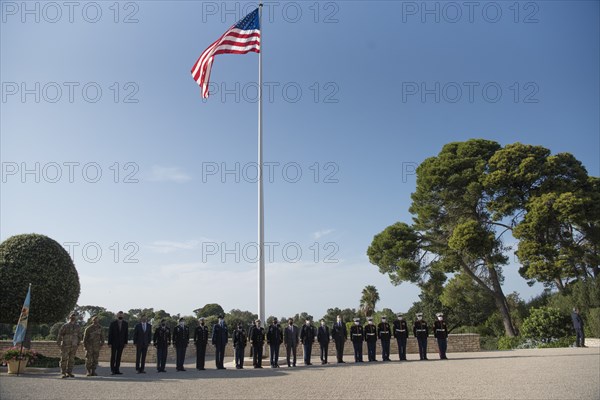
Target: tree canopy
470,195
41,261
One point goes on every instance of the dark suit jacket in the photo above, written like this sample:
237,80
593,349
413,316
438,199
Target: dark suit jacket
323,334
140,337
577,321
291,338
339,333
116,337
220,335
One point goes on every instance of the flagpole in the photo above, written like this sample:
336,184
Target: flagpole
261,207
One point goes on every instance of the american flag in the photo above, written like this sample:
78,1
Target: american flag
241,38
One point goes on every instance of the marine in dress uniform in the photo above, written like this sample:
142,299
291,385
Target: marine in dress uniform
93,339
323,339
274,340
239,344
220,336
257,340
181,339
339,334
371,339
68,339
421,331
200,340
307,337
357,338
384,333
291,339
162,341
440,331
401,335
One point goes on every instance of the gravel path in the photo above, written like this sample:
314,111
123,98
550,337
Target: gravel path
570,373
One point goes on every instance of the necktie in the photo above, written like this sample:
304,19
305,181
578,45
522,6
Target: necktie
144,326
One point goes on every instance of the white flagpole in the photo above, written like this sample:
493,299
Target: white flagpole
261,207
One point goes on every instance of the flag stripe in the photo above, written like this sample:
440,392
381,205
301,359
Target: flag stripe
242,38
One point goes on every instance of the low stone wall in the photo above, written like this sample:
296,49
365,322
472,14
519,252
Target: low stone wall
467,342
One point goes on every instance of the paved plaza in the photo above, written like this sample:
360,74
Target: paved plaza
567,373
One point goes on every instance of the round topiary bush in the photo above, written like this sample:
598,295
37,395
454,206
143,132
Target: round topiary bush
546,324
43,262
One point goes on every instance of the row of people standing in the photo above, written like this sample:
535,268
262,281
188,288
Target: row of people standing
290,336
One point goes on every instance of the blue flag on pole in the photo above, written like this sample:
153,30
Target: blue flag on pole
22,324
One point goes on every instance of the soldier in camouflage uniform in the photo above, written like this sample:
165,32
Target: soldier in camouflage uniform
69,337
93,339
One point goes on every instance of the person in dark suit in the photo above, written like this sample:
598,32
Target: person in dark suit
291,339
323,339
181,339
200,340
220,336
339,334
401,335
162,341
578,326
117,340
307,338
257,340
142,336
274,340
239,344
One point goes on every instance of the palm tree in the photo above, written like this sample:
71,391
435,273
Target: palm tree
370,297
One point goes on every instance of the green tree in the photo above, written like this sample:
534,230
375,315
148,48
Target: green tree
368,300
41,261
209,310
553,208
347,314
545,324
235,316
466,302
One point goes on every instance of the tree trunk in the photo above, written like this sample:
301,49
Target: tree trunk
501,303
496,292
559,284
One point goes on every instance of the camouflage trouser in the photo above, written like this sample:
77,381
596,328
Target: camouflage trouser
67,358
91,358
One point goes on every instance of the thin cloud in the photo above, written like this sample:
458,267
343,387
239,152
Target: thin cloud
166,246
319,234
168,174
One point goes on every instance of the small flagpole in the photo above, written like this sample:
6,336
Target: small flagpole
261,207
24,336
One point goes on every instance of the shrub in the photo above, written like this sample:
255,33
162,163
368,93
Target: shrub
509,343
592,323
545,324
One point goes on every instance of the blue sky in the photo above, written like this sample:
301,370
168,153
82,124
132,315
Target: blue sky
127,159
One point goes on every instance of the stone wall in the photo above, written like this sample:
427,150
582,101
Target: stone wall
467,342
